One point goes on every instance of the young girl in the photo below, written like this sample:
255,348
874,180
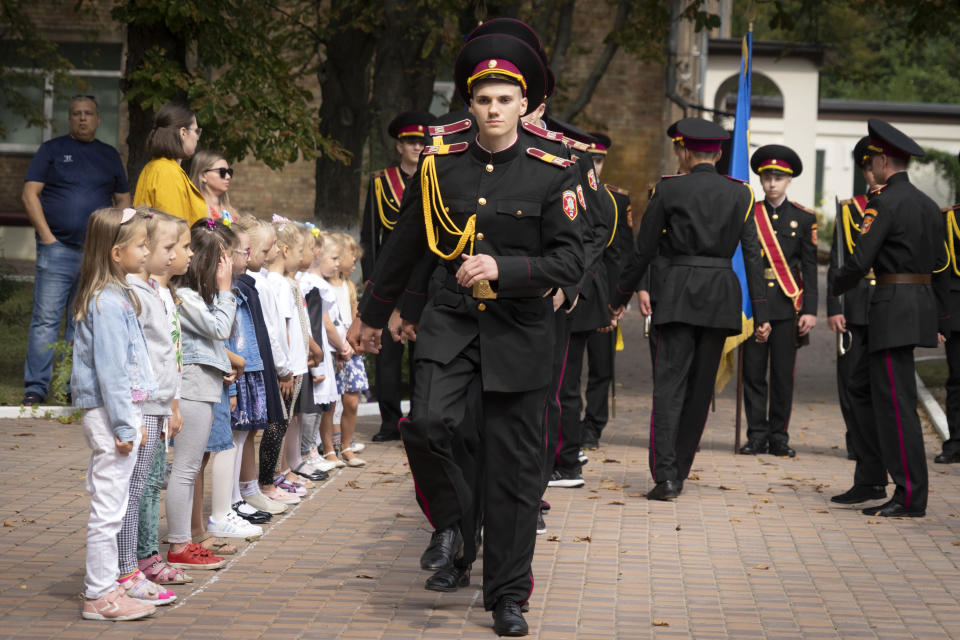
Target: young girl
207,311
161,238
110,380
151,563
352,378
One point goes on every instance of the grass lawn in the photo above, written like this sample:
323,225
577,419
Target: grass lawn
16,304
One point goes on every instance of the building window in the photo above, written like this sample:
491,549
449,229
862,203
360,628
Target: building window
97,72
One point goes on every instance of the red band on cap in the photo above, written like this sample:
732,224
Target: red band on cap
412,130
497,66
773,164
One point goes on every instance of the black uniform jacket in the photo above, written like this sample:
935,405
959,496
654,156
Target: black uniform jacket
695,221
902,232
795,228
373,232
620,243
953,304
855,304
527,214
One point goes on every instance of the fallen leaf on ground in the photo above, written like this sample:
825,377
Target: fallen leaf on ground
610,461
592,497
763,567
400,515
8,523
677,528
364,576
582,539
24,435
615,502
636,495
956,544
659,623
725,488
734,519
553,539
353,484
693,476
823,511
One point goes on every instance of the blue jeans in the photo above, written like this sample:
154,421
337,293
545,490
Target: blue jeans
54,287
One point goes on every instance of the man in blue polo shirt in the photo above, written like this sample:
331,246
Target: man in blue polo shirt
69,178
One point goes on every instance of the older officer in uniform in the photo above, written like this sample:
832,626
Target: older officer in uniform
788,235
848,316
950,454
695,221
501,213
902,239
379,218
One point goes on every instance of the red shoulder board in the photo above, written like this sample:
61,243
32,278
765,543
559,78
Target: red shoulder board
549,158
803,208
622,192
877,191
737,179
576,144
860,202
444,149
540,132
447,129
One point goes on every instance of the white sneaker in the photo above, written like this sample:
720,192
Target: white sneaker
321,464
233,526
262,502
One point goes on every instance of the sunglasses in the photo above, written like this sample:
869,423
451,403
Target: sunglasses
224,172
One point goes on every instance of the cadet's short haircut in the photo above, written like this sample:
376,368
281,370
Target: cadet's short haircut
163,141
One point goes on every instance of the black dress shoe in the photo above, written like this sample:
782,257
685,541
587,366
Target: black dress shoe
861,493
31,398
315,476
541,523
666,490
752,448
893,509
445,545
448,579
508,619
385,436
948,458
782,450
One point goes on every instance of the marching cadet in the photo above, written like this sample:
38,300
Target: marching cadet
695,221
379,218
601,344
788,235
502,215
902,239
848,317
950,453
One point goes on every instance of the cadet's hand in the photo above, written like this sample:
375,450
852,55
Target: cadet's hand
762,332
558,299
393,325
837,323
123,448
408,332
645,307
286,385
616,314
143,435
224,273
807,321
941,338
369,341
353,335
477,268
573,304
607,329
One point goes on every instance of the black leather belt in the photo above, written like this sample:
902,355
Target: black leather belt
701,261
904,278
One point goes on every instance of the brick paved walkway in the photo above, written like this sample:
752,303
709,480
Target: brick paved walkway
753,548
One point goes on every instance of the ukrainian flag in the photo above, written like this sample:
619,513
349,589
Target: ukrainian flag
740,169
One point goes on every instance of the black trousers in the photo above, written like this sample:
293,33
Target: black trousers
894,391
389,382
780,352
856,405
952,347
510,438
571,403
552,411
684,372
600,363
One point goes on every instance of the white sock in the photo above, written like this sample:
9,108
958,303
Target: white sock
238,439
249,488
222,477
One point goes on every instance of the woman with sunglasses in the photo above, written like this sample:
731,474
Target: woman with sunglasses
211,174
163,184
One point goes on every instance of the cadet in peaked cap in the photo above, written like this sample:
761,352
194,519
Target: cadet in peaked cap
695,221
382,208
522,31
788,234
502,217
861,152
903,239
950,453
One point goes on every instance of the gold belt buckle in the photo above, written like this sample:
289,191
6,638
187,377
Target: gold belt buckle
769,273
483,291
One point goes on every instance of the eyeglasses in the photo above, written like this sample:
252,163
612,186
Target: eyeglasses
224,171
243,252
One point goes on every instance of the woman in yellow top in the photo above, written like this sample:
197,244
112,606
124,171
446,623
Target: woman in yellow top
163,184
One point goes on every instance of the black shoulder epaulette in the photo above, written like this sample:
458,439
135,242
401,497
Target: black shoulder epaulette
614,189
803,208
549,158
576,144
445,149
447,129
540,132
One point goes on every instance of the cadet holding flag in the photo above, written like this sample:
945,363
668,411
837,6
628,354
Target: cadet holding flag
902,240
695,222
501,213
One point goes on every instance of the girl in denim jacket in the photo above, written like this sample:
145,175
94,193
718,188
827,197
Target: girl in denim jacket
111,377
207,310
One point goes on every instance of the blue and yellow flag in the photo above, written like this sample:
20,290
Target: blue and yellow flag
740,169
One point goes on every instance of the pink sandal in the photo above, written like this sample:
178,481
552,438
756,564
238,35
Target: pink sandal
158,571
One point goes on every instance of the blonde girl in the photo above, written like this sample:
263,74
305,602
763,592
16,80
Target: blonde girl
352,378
111,378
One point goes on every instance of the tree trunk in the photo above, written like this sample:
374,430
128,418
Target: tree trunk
140,40
344,116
